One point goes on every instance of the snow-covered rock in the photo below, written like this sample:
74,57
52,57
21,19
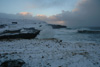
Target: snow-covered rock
22,23
21,33
46,31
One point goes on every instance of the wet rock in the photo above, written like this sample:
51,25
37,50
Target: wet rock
13,63
57,26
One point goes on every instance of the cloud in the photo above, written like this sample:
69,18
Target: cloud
50,20
25,13
86,13
21,15
74,10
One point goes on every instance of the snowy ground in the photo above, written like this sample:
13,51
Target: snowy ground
51,53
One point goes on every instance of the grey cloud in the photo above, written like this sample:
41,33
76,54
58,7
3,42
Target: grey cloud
87,14
51,3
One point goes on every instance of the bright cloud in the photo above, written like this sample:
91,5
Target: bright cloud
25,13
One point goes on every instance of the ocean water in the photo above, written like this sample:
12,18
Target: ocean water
73,35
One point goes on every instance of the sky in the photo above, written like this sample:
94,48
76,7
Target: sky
72,13
45,7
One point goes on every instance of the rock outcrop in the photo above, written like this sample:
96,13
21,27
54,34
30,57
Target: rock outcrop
25,33
57,26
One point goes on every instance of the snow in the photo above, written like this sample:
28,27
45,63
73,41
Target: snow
51,53
44,28
23,24
75,50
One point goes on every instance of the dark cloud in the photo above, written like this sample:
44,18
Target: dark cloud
87,13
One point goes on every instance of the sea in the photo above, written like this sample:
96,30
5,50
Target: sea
72,34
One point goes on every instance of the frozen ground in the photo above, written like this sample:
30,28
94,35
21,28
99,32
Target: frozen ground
51,53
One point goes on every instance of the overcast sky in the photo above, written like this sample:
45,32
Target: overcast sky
46,7
73,13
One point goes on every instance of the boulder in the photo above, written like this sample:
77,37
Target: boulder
13,63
